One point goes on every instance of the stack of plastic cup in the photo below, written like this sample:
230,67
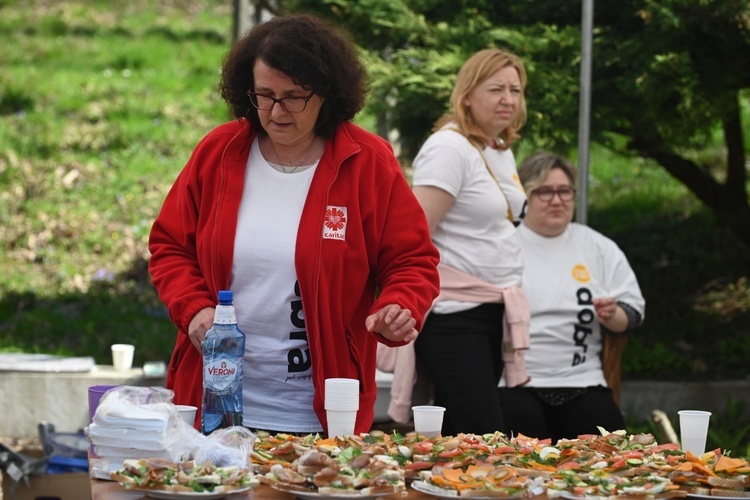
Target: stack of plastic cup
341,403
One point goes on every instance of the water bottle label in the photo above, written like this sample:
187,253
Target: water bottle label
225,315
220,374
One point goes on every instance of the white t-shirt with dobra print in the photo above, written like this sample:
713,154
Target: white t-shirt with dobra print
563,275
277,387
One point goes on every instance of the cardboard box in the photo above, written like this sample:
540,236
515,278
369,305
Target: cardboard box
71,486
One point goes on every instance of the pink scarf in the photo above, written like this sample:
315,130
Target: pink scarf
458,285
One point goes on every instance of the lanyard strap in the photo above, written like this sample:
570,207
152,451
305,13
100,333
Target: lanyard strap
492,174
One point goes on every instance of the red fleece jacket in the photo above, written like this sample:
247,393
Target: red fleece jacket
386,257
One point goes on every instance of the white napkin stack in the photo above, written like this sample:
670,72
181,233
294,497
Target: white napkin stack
125,428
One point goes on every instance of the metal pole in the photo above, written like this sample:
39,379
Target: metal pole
584,111
241,11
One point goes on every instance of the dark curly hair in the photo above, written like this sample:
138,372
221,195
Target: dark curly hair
310,51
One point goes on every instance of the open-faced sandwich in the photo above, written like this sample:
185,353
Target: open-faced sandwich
600,484
163,475
336,472
610,464
481,480
712,474
281,448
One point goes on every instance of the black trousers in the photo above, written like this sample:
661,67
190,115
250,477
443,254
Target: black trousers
462,355
526,413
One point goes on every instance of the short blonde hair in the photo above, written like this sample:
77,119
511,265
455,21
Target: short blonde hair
535,169
476,70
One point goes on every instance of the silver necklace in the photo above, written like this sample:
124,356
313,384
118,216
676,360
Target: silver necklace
290,164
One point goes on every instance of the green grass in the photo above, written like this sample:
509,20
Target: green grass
101,104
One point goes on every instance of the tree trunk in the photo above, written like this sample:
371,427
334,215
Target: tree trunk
729,201
728,206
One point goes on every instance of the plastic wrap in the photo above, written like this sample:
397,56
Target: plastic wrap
227,447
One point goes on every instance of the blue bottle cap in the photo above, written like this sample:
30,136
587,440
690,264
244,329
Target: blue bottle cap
225,296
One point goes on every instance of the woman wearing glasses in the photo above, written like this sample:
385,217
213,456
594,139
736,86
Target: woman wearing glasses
307,218
578,282
465,179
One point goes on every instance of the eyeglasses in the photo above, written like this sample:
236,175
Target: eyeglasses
291,104
547,193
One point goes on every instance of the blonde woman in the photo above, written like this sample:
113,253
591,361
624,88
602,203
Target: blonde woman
465,178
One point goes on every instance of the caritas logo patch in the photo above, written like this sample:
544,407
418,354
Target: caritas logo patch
334,223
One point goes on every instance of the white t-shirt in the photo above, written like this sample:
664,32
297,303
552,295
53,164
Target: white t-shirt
561,277
277,387
475,234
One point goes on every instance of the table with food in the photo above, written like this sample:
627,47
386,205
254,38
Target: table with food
614,465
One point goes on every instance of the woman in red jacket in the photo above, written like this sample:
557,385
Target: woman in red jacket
307,218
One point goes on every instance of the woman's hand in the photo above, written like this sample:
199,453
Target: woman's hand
393,323
199,325
611,315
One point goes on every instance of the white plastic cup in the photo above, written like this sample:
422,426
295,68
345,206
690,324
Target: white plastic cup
342,394
187,413
428,420
122,357
341,423
694,430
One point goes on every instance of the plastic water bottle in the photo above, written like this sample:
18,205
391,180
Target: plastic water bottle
223,355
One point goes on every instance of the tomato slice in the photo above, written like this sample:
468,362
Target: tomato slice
568,465
451,453
662,447
618,463
284,448
423,447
